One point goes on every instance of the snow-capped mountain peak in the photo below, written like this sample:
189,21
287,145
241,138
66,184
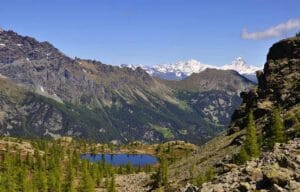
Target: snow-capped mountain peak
241,66
182,69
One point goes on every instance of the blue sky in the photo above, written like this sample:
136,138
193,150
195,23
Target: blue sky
151,31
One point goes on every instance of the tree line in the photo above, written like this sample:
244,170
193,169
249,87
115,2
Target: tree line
54,167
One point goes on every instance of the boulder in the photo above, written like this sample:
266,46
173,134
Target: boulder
277,175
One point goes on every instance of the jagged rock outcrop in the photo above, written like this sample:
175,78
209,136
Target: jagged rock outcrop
278,85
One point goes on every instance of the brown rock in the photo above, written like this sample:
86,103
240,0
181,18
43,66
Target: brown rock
244,187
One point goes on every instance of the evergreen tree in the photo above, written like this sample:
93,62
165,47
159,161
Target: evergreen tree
40,180
69,179
8,182
23,180
165,173
129,168
277,128
251,147
251,144
161,176
112,185
98,175
54,182
87,183
242,157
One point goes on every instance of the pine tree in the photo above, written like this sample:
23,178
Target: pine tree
87,183
98,175
129,168
277,128
242,157
112,185
251,145
165,172
161,176
54,182
69,179
23,180
40,180
8,176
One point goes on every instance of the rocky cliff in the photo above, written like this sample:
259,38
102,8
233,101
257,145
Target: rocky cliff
278,86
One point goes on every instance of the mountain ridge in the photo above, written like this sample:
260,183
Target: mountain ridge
89,99
183,69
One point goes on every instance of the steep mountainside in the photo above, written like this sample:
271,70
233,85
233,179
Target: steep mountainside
89,99
278,86
213,93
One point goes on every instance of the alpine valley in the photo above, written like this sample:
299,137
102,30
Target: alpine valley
76,124
45,93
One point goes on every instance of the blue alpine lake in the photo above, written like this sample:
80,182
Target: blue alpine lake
122,159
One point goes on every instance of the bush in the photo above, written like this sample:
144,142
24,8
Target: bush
204,177
242,157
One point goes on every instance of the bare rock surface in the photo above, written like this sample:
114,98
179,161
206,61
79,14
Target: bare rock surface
278,170
138,182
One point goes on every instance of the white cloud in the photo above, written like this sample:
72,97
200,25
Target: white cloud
274,31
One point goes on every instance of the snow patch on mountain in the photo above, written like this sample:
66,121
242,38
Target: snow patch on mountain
182,69
241,66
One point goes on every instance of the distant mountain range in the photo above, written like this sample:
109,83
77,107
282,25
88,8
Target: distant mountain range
183,69
44,93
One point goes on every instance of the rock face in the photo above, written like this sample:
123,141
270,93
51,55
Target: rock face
278,170
278,85
88,99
